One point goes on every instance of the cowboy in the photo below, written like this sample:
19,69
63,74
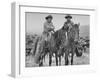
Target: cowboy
48,28
69,22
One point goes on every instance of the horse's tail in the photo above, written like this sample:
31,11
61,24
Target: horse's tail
38,50
35,45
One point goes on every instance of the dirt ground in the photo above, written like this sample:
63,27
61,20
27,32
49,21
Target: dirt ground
83,60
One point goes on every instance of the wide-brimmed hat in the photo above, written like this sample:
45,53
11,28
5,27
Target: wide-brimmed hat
49,16
68,16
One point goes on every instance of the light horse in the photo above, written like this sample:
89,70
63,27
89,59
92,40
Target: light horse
71,42
44,48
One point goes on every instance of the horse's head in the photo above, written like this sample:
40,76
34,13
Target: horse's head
65,28
73,32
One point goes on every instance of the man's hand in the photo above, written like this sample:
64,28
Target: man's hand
50,29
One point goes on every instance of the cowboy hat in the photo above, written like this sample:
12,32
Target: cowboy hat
49,16
68,16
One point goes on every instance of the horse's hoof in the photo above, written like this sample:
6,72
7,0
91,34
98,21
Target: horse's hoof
66,64
71,63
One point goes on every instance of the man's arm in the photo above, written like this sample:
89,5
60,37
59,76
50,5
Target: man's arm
49,27
53,27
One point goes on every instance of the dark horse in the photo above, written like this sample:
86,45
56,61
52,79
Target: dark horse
55,44
60,40
71,42
65,41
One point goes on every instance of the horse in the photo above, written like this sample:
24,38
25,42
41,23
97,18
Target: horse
45,47
60,40
66,42
55,45
71,42
50,47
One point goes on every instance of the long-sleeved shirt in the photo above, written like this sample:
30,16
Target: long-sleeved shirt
48,26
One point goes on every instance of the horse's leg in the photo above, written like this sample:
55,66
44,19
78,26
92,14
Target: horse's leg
72,56
56,59
72,59
59,60
60,54
41,61
66,58
44,56
41,56
50,59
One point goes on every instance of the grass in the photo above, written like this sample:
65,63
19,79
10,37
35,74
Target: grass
83,60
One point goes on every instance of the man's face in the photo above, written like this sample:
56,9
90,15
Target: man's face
49,20
68,19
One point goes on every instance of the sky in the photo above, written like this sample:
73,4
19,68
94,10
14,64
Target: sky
35,21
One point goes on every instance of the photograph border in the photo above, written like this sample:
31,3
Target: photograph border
16,29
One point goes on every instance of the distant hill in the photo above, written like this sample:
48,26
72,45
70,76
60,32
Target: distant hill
85,31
